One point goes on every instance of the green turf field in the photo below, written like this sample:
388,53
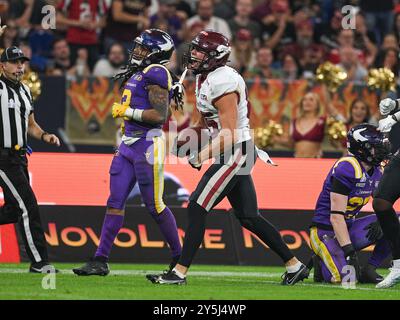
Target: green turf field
127,281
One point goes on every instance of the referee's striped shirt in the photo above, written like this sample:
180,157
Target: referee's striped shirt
16,106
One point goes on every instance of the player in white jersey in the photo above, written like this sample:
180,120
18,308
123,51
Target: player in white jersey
221,99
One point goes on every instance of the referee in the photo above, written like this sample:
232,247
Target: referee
16,122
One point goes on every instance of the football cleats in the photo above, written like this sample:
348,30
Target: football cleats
368,144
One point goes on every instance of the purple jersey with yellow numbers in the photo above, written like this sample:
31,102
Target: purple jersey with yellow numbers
136,95
350,172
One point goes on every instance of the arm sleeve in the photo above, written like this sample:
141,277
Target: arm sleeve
344,176
339,187
158,75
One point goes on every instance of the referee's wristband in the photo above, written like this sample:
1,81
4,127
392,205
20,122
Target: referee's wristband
43,134
135,114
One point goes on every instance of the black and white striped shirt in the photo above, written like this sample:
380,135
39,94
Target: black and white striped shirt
16,106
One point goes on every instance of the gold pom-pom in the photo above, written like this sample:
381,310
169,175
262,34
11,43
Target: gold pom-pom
382,79
331,75
263,136
31,79
337,130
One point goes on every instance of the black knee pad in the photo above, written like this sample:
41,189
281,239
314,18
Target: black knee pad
380,205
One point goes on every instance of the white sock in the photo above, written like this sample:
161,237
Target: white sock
294,268
179,274
396,264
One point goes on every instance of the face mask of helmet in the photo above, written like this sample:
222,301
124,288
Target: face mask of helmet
374,154
138,54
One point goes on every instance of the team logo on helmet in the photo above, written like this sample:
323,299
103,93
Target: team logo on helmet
368,144
215,47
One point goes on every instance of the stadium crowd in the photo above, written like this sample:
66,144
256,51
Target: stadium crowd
284,39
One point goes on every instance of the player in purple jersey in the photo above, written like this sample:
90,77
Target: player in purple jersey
147,93
336,235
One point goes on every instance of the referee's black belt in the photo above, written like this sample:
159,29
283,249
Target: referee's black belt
12,152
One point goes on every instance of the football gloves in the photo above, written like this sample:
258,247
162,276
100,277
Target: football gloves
178,95
374,232
385,125
352,258
386,106
119,110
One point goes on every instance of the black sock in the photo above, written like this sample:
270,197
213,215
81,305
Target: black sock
263,229
391,229
194,233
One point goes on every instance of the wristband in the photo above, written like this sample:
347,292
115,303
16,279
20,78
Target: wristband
338,212
394,117
43,134
135,114
348,250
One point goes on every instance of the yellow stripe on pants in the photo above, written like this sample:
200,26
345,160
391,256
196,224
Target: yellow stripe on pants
158,172
322,251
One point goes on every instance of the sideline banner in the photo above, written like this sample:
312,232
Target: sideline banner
83,179
73,233
9,249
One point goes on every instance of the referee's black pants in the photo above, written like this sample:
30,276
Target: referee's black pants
21,205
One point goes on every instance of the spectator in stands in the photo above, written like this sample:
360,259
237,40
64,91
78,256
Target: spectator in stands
263,67
62,66
396,27
183,10
277,30
327,34
346,39
379,16
125,21
364,41
304,49
81,67
242,57
389,59
242,20
349,61
167,13
205,15
110,66
224,9
10,36
175,64
389,41
36,63
61,61
83,21
291,68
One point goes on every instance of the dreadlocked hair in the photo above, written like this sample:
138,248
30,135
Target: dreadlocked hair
128,71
